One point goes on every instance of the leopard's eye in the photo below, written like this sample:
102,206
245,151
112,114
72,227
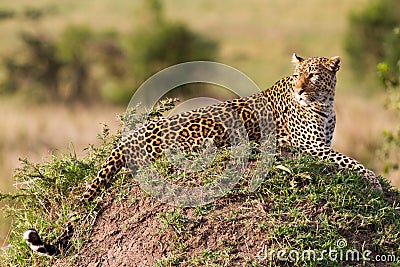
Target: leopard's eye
312,75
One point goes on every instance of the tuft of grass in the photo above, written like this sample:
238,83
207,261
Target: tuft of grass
174,219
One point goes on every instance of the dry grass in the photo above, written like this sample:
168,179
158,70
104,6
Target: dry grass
359,130
37,131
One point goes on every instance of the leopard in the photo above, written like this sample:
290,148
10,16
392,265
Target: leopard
300,107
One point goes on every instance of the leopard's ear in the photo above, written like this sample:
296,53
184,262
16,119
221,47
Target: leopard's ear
334,64
296,59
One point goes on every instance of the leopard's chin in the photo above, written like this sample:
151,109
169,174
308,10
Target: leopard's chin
302,101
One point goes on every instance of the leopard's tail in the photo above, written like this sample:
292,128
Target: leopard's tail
34,241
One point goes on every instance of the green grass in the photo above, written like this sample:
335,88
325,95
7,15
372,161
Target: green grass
46,196
302,204
305,205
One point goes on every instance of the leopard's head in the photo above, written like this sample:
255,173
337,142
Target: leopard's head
314,79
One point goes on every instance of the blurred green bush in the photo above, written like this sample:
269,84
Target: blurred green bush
370,38
389,74
373,46
81,65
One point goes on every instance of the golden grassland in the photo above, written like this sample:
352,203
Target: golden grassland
38,131
255,36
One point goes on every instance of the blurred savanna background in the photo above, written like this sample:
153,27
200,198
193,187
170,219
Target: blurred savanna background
69,67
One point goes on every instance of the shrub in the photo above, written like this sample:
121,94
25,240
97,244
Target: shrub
367,33
169,44
6,14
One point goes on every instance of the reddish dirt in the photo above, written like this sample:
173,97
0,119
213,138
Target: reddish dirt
131,234
134,233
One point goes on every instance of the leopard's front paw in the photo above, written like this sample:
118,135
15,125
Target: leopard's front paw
373,179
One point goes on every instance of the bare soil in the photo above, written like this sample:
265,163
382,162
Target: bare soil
133,234
230,232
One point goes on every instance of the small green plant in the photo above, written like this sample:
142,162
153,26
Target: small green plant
174,219
389,74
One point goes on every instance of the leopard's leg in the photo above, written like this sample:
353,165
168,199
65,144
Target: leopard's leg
343,162
108,170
